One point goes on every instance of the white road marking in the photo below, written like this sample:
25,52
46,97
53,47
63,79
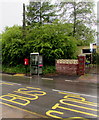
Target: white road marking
47,78
71,81
27,77
75,93
16,83
68,80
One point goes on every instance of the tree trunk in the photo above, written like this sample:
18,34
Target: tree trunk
74,27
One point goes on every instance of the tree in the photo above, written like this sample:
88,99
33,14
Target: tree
12,46
40,12
84,35
52,41
12,32
81,15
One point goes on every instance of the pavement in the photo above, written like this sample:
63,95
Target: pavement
9,112
90,78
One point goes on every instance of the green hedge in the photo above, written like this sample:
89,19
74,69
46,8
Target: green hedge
51,41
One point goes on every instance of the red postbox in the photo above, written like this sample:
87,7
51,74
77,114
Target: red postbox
26,61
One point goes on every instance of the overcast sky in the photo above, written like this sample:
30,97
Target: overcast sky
11,12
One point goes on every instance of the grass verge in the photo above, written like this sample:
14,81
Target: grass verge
22,69
15,69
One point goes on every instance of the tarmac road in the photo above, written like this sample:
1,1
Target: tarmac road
45,100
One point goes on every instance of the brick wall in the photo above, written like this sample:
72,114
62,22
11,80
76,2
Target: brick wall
67,66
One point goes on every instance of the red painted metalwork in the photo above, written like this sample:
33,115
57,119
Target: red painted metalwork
26,61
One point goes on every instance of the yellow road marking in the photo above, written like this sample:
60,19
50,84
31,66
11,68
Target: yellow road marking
26,93
13,98
34,88
24,110
50,113
35,92
19,75
85,102
27,90
34,97
61,101
82,102
76,118
78,97
57,106
6,83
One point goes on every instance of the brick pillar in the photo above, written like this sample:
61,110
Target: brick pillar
81,64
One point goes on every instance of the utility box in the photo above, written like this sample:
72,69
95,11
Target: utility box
36,64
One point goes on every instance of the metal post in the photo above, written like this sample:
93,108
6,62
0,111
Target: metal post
38,64
24,23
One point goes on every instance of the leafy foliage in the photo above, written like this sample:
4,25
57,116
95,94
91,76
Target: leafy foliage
49,69
84,35
12,46
39,12
53,41
95,58
11,33
81,14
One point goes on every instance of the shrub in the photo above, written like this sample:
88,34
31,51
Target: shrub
52,41
48,69
15,69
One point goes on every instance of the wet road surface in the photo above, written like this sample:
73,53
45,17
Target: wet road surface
47,98
63,83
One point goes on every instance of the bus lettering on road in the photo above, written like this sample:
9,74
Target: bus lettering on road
70,100
23,96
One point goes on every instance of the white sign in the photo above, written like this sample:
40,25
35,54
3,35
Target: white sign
91,47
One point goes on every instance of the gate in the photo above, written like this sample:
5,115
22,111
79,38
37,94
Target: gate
90,64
